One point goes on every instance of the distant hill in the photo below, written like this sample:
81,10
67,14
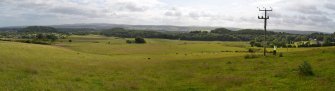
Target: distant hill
100,26
163,27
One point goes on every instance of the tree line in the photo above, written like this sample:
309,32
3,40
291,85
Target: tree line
34,34
256,37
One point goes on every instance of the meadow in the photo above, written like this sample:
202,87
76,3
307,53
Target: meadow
98,63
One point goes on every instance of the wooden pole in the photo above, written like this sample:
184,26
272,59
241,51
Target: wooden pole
266,17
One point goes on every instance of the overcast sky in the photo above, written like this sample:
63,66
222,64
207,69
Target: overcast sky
316,15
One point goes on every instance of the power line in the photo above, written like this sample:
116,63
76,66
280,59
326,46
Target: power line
265,18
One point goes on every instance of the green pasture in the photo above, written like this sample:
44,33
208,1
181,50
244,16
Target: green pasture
97,63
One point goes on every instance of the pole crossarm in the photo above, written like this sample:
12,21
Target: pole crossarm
265,9
262,17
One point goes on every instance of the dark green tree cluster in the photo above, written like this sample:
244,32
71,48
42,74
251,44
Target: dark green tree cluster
295,40
39,29
256,37
79,31
140,40
221,31
35,34
137,41
120,32
220,34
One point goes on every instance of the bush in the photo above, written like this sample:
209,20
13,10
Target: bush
258,44
139,40
250,56
252,43
251,50
34,42
129,41
229,62
40,42
27,41
281,55
305,69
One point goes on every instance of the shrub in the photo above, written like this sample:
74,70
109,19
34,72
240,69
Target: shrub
139,40
229,62
281,54
252,43
253,50
250,56
305,69
27,41
34,42
41,42
250,50
23,41
257,44
129,41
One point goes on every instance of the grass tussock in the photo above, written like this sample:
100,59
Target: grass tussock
251,56
305,69
281,54
31,71
226,81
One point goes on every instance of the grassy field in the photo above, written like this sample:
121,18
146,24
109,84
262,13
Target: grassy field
96,63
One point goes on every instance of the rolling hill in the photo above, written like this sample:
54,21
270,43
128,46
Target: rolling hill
100,26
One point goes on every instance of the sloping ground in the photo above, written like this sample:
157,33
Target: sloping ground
39,67
118,46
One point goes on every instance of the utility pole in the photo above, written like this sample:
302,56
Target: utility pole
265,18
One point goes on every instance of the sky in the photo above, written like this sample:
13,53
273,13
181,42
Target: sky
307,15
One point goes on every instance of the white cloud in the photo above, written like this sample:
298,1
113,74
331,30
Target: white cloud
287,14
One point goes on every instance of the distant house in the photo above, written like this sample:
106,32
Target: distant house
315,41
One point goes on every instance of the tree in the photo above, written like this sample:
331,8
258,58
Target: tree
252,43
204,32
221,31
326,41
140,40
52,37
195,32
129,41
40,36
39,29
275,42
301,38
